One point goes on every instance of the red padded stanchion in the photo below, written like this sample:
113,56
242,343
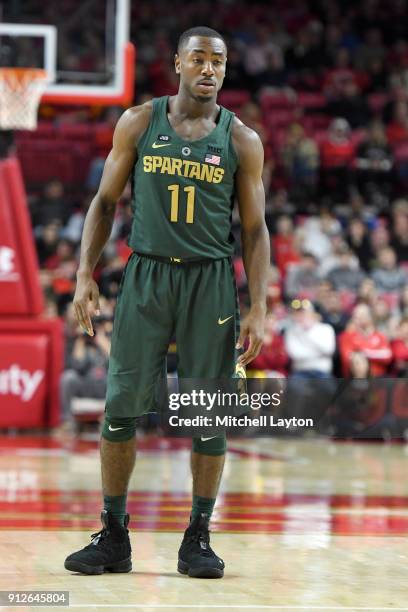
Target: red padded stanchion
25,244
31,348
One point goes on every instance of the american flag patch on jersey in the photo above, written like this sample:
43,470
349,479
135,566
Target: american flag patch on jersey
212,159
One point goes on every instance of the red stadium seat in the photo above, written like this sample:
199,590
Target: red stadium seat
46,130
78,131
270,101
377,102
234,98
280,118
307,99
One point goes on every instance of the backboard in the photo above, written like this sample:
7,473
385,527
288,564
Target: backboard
83,45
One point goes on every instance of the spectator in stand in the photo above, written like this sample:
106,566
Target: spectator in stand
347,274
52,206
46,241
403,305
355,406
111,273
378,76
397,130
336,154
385,319
372,49
379,239
318,234
235,75
361,335
399,240
304,59
334,258
300,157
339,75
374,162
62,267
351,105
398,55
309,343
332,312
251,115
359,366
387,275
274,289
284,249
275,74
400,349
162,77
73,229
302,279
367,293
358,240
86,367
258,56
273,359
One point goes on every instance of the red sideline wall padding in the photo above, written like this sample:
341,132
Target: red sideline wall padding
23,379
20,291
28,348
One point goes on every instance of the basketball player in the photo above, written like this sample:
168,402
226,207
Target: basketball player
188,158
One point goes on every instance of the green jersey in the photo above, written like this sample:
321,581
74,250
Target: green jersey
183,191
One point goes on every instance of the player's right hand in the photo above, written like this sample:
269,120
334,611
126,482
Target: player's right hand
86,302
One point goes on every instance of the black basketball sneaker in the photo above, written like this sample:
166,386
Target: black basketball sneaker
196,557
109,551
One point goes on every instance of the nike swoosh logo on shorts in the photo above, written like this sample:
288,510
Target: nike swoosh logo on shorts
114,428
158,145
222,321
205,439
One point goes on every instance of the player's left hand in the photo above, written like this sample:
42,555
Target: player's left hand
252,327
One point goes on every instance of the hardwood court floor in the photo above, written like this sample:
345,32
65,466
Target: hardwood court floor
301,524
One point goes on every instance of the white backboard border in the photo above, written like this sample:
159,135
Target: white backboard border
47,32
119,91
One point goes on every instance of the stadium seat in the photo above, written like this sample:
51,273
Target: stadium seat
234,98
271,101
78,131
307,99
377,102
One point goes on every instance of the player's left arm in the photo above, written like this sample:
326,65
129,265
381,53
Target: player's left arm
254,234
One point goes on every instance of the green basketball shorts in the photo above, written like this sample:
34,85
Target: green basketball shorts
159,299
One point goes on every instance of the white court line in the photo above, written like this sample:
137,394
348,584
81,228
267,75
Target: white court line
238,606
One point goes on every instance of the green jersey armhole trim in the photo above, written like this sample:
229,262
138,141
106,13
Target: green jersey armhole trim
232,150
145,136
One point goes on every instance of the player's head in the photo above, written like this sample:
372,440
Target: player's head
200,61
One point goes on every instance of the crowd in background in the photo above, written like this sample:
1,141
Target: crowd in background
325,84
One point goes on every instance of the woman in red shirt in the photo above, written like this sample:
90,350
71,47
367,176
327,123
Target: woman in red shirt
399,348
273,359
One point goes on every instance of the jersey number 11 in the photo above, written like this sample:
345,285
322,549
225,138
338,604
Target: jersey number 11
175,197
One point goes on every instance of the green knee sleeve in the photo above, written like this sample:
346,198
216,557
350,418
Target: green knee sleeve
213,446
119,430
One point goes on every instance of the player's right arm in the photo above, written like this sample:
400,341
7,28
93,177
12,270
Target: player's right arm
99,219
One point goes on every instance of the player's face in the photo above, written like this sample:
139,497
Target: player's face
201,65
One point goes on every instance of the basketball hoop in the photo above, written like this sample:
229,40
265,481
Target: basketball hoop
20,93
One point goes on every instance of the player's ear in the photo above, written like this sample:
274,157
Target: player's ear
177,63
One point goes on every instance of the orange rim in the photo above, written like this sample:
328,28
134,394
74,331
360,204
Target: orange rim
22,74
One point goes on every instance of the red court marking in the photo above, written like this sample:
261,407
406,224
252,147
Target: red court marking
240,512
236,512
149,443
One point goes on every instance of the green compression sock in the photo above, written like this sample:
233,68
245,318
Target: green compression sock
116,504
202,504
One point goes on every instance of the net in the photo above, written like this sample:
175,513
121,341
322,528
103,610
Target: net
20,93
